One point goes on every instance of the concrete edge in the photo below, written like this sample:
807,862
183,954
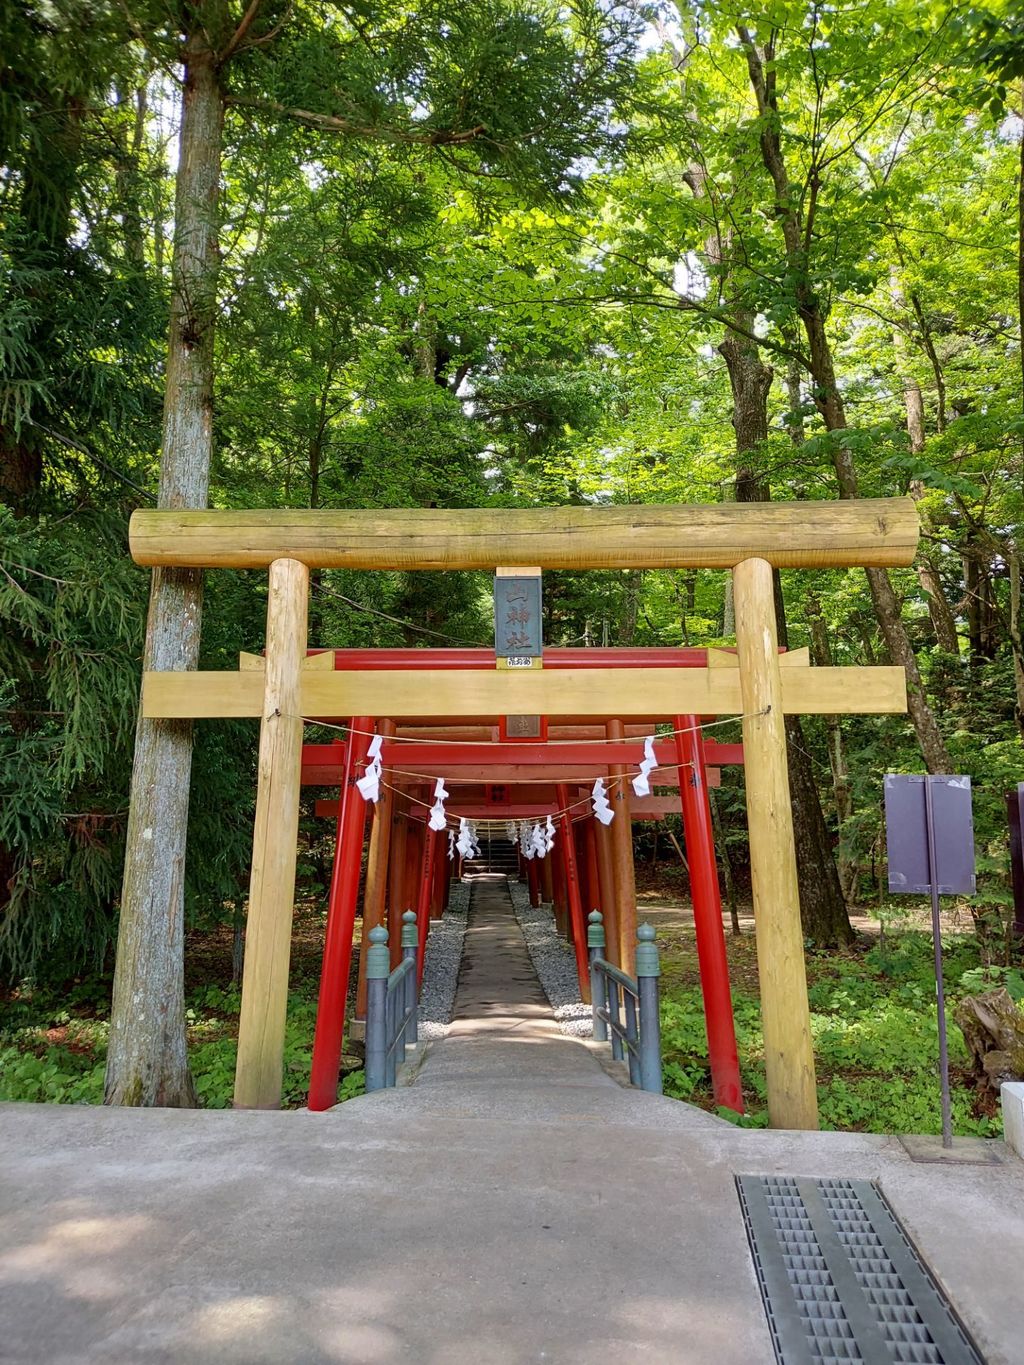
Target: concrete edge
1011,1095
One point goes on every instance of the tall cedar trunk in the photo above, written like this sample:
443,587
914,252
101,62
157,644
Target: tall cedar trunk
146,1061
828,399
823,914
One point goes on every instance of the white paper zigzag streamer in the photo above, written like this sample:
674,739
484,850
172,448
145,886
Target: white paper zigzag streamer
369,783
641,784
602,807
438,819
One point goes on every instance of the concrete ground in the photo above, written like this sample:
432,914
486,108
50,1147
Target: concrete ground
513,1205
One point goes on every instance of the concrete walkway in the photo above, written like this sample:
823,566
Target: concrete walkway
547,1216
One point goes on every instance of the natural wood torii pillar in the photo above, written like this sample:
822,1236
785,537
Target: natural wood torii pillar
788,1054
275,836
748,539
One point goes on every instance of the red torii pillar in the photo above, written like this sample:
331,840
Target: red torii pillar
428,879
570,866
341,918
707,915
533,881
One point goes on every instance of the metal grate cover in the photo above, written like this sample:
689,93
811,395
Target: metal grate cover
841,1281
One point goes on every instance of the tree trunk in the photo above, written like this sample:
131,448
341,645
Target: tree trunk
823,912
821,656
942,619
941,614
828,400
146,1061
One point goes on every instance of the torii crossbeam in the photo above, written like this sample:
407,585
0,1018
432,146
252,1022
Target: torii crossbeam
748,539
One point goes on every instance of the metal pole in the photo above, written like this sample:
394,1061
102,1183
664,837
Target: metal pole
648,970
378,968
410,949
614,1017
598,995
940,995
707,915
632,1037
391,1036
341,917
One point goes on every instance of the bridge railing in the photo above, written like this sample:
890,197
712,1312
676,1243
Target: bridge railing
391,1003
637,1036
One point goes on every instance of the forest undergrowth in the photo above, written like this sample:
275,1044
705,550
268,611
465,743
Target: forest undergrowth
872,1017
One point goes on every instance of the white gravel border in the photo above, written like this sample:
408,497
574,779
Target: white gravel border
441,965
554,961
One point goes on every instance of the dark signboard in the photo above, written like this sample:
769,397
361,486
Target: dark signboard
906,832
517,619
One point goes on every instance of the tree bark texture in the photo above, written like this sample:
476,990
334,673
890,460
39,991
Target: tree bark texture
796,232
823,914
821,655
146,1061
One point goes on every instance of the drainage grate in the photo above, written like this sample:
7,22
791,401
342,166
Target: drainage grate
840,1280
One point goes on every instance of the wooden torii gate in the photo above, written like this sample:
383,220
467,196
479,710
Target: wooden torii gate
748,539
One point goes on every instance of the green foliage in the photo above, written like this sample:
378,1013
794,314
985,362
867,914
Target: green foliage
53,1044
875,1038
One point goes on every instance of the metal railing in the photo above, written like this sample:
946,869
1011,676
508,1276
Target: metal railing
391,1003
638,1039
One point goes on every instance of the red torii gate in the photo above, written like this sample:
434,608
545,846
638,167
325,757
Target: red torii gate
584,753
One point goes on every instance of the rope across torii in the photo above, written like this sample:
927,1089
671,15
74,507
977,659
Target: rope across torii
500,782
748,539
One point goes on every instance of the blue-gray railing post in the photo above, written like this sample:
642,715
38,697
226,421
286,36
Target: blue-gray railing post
648,969
410,950
378,968
614,1016
633,1039
598,995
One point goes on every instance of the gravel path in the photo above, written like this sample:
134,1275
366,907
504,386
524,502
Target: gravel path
441,965
554,962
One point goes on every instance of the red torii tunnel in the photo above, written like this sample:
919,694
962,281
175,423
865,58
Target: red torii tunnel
496,778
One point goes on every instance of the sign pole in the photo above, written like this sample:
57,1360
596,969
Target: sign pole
940,994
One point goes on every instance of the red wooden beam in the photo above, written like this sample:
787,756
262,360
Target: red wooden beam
321,763
465,660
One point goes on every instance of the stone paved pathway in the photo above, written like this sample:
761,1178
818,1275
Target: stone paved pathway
503,1033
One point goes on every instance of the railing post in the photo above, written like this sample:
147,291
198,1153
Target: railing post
614,1017
631,1004
648,969
595,950
378,968
411,949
